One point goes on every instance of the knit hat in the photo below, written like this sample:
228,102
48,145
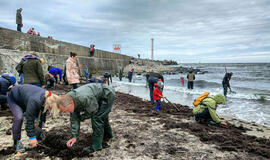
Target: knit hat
160,84
13,79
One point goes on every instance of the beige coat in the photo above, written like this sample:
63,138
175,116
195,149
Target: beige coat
72,71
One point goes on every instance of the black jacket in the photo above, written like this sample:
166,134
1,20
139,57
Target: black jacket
156,75
5,82
226,79
31,99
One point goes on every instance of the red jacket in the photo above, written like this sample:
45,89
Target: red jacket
157,94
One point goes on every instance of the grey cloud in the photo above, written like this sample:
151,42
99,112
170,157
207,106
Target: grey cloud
186,29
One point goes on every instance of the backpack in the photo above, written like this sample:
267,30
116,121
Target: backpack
199,99
19,67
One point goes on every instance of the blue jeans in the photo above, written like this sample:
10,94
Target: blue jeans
151,82
158,105
21,78
36,84
19,26
205,116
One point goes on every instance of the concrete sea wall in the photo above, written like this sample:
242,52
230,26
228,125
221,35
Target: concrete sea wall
14,45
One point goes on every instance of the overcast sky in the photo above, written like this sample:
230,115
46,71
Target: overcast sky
183,30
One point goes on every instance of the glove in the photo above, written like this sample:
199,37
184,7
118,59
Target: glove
40,134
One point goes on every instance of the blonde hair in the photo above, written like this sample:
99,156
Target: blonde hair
51,101
64,100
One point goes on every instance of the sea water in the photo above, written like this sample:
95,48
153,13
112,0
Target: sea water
250,82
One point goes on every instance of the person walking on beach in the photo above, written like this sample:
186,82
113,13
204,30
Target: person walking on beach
6,81
72,70
92,101
206,110
19,19
151,79
157,95
191,78
130,74
31,101
226,83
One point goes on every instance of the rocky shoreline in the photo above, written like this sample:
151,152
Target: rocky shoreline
141,67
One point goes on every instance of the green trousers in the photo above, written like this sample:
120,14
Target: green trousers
100,123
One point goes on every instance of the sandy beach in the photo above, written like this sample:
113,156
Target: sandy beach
140,132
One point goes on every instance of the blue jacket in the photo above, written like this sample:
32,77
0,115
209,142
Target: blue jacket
54,71
32,100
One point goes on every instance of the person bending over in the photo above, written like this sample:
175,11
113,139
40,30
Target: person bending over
206,111
91,101
33,102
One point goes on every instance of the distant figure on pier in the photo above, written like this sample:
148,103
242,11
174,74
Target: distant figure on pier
19,19
139,55
191,78
130,73
92,50
38,34
31,31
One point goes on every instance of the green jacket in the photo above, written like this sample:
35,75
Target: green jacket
33,72
18,17
211,104
86,99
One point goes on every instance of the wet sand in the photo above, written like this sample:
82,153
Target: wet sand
140,132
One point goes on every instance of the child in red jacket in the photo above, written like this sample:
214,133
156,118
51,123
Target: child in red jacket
157,95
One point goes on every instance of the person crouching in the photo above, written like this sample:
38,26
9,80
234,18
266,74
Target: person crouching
158,94
206,110
91,101
32,101
50,81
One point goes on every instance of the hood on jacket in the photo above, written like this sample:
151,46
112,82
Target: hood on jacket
10,78
219,98
160,84
19,10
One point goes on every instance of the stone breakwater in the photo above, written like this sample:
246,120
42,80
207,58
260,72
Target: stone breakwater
144,66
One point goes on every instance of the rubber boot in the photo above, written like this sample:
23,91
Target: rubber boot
18,146
157,108
97,142
107,130
88,149
4,106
